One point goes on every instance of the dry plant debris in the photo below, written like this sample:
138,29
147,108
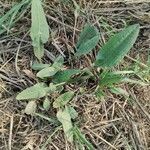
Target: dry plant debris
114,122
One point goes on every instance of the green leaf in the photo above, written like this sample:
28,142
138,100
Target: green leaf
63,99
110,78
117,47
65,118
72,112
132,81
39,66
64,76
47,72
31,108
99,93
51,71
119,91
58,63
81,138
33,92
89,38
50,89
39,28
53,87
46,104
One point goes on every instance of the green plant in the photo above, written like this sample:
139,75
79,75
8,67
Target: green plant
53,77
109,55
117,47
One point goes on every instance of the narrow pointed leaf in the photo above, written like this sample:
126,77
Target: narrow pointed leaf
81,138
39,29
117,47
89,38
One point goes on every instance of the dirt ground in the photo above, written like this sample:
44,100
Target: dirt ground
114,122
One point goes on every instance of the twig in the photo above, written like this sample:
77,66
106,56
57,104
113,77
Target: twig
54,19
102,139
141,64
140,106
10,133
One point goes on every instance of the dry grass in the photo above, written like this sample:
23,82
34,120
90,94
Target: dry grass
112,123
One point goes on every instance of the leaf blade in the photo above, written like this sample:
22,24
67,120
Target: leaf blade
63,99
46,72
39,28
33,92
31,108
117,47
109,79
39,66
88,39
81,138
65,75
65,118
46,104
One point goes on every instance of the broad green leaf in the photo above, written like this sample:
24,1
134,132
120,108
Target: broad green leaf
117,47
46,104
39,28
89,38
47,72
39,66
81,138
63,99
34,92
64,76
31,108
65,118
